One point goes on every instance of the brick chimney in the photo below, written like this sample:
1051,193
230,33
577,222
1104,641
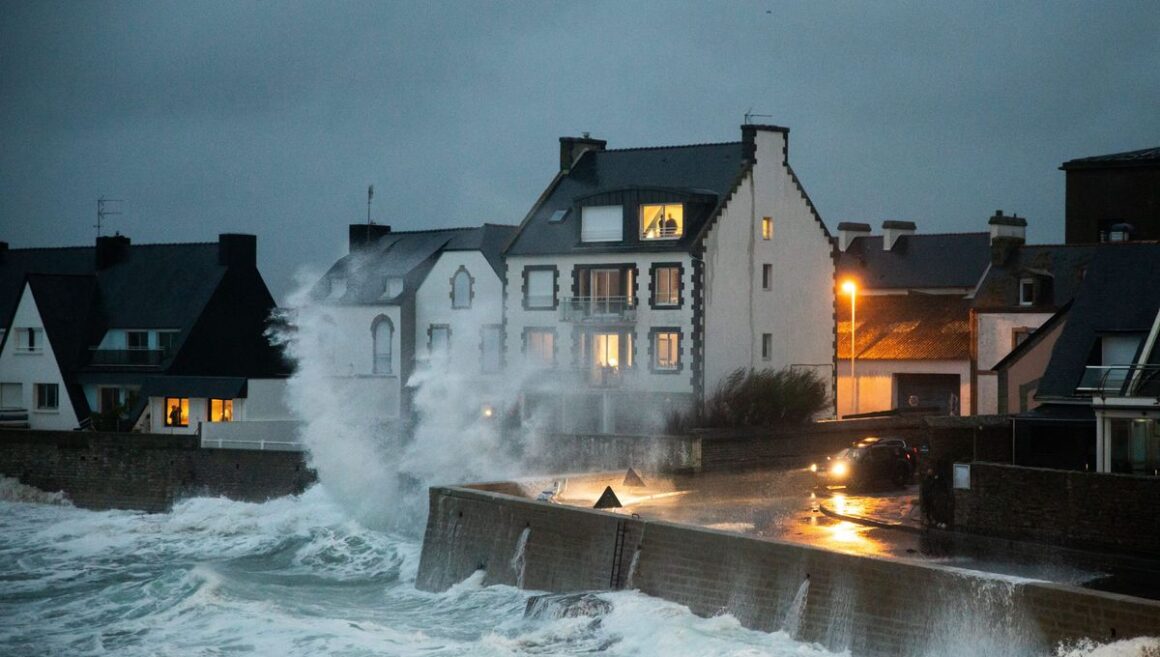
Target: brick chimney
892,230
363,235
571,148
1008,233
111,249
849,231
237,250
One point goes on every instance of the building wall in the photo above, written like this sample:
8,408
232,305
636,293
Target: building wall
798,309
878,388
1016,385
29,368
863,605
347,358
1118,194
994,340
433,306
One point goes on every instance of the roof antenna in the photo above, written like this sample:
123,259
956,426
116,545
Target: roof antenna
102,212
370,195
750,115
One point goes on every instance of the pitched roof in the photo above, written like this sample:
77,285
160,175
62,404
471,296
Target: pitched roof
16,264
702,175
69,310
937,260
1119,294
1060,267
1143,157
907,327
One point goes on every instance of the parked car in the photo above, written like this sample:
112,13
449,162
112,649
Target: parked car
868,462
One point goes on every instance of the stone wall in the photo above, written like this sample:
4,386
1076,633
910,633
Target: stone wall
866,605
1077,509
147,472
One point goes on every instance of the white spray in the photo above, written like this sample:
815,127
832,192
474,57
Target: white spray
519,560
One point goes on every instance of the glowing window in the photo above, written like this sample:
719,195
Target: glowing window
221,410
662,222
667,286
666,350
767,228
177,411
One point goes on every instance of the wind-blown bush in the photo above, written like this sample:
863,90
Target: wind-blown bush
759,398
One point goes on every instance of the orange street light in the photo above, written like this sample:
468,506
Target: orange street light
851,288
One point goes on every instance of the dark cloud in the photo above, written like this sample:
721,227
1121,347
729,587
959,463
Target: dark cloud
272,118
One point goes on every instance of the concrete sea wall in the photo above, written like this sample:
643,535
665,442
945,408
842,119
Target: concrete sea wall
866,605
147,472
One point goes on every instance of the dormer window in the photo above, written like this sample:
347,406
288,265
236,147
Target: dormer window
602,223
1026,291
662,221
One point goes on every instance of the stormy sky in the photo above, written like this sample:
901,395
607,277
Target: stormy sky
273,117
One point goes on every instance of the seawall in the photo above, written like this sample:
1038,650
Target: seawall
866,605
147,472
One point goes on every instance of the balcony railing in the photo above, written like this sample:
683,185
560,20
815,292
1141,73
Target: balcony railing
1121,381
598,309
127,357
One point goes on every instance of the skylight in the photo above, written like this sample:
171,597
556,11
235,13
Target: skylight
557,216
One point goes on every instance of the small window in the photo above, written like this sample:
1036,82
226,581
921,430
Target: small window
28,340
167,342
1020,335
766,346
221,410
11,395
540,347
382,342
666,350
47,396
667,286
557,216
110,399
177,411
662,222
137,339
461,289
440,339
766,276
603,223
767,228
490,348
1026,292
541,288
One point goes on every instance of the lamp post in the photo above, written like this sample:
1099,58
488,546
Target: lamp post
851,288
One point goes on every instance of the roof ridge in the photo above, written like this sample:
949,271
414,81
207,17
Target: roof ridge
672,147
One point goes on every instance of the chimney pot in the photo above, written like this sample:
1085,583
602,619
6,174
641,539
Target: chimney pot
892,230
111,249
850,231
571,148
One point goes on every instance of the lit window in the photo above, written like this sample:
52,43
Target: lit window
47,396
177,411
540,346
604,223
221,410
662,222
490,348
767,228
766,276
461,291
540,291
440,339
1026,292
766,346
382,340
667,286
666,350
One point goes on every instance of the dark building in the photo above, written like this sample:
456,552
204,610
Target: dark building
1106,191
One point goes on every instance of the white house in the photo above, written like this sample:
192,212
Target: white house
643,276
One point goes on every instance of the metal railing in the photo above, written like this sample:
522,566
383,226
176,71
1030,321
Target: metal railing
1120,381
127,357
265,435
598,309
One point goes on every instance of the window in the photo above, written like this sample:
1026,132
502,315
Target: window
540,288
666,348
557,216
666,285
767,228
221,410
382,341
662,222
47,397
11,395
176,411
766,276
137,339
1026,291
603,223
110,399
490,348
766,346
462,288
28,340
540,346
439,339
167,342
1019,335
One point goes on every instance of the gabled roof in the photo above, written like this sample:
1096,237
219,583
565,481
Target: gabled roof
937,260
907,327
16,264
702,174
1119,294
1059,267
1037,336
1143,157
69,310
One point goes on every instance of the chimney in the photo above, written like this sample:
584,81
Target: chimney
749,139
237,250
571,148
363,235
3,251
1007,235
112,250
892,230
849,231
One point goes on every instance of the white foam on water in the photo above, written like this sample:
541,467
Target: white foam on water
1137,647
11,490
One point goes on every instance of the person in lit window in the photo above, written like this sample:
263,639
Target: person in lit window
175,415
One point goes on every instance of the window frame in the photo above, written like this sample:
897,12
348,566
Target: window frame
431,330
483,330
1025,283
38,402
527,271
183,404
767,228
540,330
227,405
458,304
642,233
378,321
766,346
766,276
586,236
654,335
654,285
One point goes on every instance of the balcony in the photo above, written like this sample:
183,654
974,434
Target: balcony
127,357
1120,381
598,310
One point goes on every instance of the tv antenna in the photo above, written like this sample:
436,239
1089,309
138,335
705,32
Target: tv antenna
370,195
103,212
749,116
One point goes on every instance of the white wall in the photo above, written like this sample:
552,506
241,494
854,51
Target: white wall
994,333
347,357
29,368
433,306
877,388
798,310
266,400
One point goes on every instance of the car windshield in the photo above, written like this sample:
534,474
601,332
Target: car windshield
850,454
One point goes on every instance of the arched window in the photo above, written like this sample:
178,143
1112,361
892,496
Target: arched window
461,291
382,337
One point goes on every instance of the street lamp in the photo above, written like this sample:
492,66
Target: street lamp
851,288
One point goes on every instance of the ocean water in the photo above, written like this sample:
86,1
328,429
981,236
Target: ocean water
298,576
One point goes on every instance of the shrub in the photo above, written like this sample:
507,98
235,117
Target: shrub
758,398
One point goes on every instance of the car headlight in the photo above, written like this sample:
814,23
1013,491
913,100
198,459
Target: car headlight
839,470
813,467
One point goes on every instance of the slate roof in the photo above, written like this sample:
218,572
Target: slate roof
1143,157
69,309
906,327
937,260
1060,269
16,264
1121,293
702,174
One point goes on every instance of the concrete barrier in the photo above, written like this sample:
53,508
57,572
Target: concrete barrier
866,605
